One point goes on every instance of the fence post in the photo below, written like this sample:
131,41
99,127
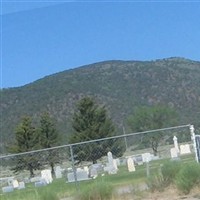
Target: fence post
194,141
73,167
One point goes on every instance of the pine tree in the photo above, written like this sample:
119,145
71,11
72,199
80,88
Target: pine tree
49,137
25,140
91,122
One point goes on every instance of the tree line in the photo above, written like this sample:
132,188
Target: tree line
90,121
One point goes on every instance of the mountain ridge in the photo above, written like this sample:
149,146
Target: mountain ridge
119,85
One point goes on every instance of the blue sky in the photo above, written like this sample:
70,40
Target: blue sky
39,38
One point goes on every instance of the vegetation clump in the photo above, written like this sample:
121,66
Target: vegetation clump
184,176
99,190
188,177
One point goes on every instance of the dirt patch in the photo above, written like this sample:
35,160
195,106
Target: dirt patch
128,193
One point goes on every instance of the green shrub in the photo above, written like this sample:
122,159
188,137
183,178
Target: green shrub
188,177
96,191
169,170
156,183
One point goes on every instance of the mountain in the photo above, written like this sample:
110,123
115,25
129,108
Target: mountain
119,85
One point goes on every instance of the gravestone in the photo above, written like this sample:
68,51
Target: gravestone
95,169
110,159
21,185
58,172
130,165
40,183
111,166
146,157
176,144
46,175
80,175
185,149
138,159
8,189
93,173
86,169
15,184
35,179
115,164
174,153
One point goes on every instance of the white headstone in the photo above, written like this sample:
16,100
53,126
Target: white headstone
80,176
115,164
15,184
174,153
8,189
111,166
176,144
130,165
21,185
110,158
58,172
86,169
46,175
35,179
93,173
146,157
185,149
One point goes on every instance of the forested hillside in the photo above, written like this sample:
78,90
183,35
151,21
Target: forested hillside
119,85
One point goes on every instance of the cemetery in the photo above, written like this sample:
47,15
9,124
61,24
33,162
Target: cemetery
115,173
125,173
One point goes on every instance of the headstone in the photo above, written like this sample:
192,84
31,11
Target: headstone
111,166
130,165
15,184
21,185
35,179
176,144
80,175
8,189
58,172
93,173
110,159
174,153
86,169
10,181
40,183
185,149
146,157
115,164
138,159
46,175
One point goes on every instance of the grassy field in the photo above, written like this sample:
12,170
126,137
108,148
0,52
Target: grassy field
60,189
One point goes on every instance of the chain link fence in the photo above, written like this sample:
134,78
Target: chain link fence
119,159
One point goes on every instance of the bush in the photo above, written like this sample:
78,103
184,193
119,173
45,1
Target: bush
96,191
156,183
188,177
169,171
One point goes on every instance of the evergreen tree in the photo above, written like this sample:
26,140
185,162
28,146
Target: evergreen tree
49,137
25,140
91,122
